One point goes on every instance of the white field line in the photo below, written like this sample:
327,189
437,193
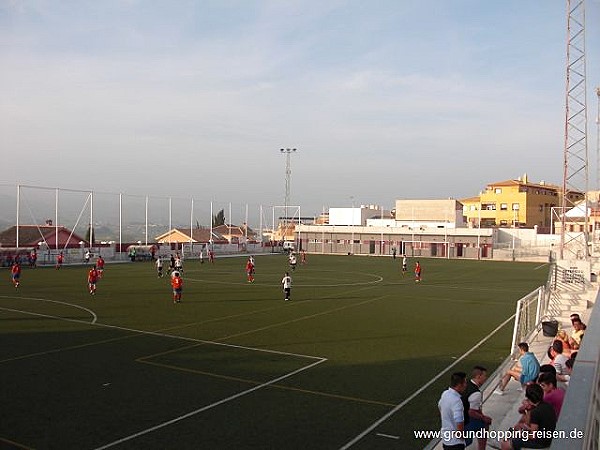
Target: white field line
93,314
201,341
207,407
422,388
319,360
171,336
540,266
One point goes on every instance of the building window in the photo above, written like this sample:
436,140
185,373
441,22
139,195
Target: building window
498,190
489,206
515,206
503,206
503,223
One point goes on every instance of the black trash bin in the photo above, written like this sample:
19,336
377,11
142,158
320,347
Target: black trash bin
550,328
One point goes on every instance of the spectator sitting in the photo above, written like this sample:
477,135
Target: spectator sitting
576,334
563,336
527,372
559,361
552,395
539,418
526,404
576,316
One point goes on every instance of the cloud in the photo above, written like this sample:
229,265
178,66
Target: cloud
367,92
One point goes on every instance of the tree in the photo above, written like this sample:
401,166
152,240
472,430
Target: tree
218,219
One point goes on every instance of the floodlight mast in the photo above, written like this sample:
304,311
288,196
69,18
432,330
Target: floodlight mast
288,174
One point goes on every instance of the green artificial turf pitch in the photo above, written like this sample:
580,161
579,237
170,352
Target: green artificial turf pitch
234,366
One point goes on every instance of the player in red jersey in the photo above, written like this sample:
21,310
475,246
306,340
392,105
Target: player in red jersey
15,273
250,270
417,272
100,266
177,285
59,260
92,280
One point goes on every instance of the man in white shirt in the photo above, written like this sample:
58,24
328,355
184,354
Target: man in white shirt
452,413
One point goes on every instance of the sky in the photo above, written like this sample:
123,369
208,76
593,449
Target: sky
383,100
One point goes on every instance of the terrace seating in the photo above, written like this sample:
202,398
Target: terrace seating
504,408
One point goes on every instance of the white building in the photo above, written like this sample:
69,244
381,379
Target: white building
353,216
424,214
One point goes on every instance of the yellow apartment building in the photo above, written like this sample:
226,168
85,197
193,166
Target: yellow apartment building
515,203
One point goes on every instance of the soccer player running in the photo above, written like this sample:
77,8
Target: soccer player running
177,285
287,285
100,266
15,273
92,280
404,264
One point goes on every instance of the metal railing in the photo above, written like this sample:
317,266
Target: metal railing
531,310
580,414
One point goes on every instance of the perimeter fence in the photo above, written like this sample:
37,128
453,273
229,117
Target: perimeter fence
117,220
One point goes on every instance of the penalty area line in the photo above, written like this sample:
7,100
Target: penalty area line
211,406
425,386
